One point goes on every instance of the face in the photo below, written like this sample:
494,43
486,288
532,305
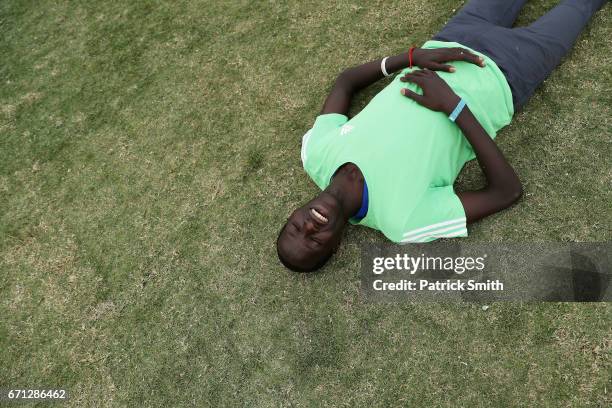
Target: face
313,231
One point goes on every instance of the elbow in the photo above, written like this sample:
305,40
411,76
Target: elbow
516,190
516,194
512,193
343,77
346,74
345,81
506,195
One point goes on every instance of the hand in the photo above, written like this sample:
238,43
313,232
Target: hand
437,95
434,58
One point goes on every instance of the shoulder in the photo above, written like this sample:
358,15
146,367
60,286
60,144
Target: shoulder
321,130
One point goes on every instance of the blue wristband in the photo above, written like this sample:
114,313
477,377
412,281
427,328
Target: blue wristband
457,111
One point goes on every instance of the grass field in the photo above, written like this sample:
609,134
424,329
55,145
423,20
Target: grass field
149,154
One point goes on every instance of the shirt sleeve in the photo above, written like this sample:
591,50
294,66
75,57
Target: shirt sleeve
440,214
322,125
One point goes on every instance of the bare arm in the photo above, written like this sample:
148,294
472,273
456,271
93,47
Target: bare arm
503,185
355,79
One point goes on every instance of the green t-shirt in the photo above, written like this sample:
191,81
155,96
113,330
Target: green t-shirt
409,155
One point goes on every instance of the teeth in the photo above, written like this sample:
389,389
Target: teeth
318,215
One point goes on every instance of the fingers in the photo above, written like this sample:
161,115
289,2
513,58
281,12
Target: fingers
418,76
467,56
412,77
412,95
444,67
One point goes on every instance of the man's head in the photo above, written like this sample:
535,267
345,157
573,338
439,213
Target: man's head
312,234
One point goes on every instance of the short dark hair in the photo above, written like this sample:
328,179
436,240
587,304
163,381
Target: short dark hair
296,268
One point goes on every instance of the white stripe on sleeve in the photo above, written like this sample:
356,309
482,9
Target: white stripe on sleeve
304,144
418,232
434,233
452,234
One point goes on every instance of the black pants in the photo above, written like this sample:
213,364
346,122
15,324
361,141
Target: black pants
526,55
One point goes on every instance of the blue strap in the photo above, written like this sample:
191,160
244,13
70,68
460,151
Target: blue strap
457,111
364,204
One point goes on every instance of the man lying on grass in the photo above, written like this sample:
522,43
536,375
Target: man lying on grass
393,165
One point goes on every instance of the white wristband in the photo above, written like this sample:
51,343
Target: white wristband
383,67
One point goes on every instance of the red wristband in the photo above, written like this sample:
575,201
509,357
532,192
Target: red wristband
410,56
